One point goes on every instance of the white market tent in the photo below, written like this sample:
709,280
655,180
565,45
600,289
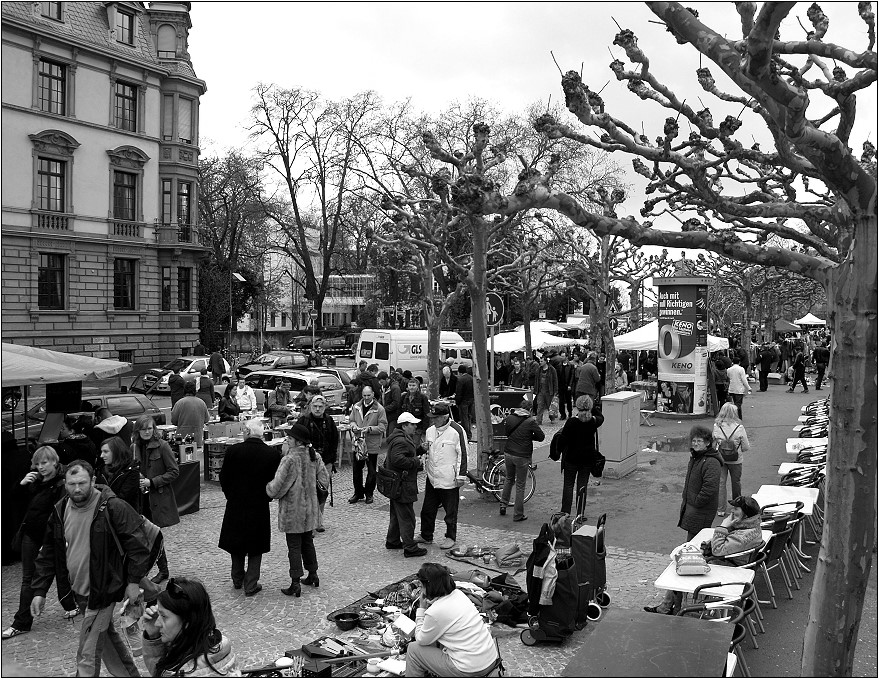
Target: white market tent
809,319
515,341
646,338
28,365
543,326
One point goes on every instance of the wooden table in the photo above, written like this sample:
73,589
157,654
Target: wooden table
722,574
630,643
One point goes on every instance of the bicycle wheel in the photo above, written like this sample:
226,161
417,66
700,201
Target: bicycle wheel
498,476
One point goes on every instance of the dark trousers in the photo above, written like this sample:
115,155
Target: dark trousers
301,552
250,577
722,393
370,464
580,475
737,399
820,367
799,378
566,408
433,498
23,618
401,527
764,380
467,417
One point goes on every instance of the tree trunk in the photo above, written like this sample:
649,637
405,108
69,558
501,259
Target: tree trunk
476,285
433,321
635,303
746,331
849,534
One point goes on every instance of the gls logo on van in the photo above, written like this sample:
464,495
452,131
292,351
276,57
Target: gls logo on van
413,349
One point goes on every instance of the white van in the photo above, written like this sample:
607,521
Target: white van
459,357
403,349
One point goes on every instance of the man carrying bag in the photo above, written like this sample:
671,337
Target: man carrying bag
398,481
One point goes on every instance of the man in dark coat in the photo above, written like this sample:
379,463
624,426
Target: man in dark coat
565,373
176,384
403,459
416,403
246,531
546,386
820,357
699,497
217,366
465,399
766,359
391,398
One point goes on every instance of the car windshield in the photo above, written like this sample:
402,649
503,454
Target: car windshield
180,363
267,359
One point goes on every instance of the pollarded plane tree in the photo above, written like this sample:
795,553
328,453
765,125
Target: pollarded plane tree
738,197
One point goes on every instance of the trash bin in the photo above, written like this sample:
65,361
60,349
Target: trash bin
215,451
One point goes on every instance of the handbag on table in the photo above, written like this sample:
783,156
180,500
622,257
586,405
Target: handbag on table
689,561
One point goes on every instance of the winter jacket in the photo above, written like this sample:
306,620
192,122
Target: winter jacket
767,359
206,390
125,483
403,459
44,495
417,405
324,435
448,387
392,400
821,356
176,383
444,457
464,389
588,379
190,414
247,468
157,464
565,373
108,577
580,441
739,436
738,380
223,662
519,379
552,382
277,401
699,497
245,397
374,421
228,409
522,430
216,364
295,488
741,535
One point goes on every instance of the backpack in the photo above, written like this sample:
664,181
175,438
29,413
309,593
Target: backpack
728,449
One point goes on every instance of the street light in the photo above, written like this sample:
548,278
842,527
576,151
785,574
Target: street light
312,314
238,277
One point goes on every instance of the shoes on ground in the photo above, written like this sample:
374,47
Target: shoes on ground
369,500
353,499
312,580
805,391
503,510
10,632
420,539
295,589
420,551
159,577
320,529
397,546
519,518
446,543
254,591
656,609
236,585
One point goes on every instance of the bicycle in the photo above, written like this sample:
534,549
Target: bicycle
495,475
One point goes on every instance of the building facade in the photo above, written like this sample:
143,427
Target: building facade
100,109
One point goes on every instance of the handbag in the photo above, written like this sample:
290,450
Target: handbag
389,483
689,561
598,465
322,492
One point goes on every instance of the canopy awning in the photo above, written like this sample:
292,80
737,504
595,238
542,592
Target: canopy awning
809,319
782,325
24,365
515,341
646,338
543,326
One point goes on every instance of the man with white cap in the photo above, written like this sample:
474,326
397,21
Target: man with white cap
446,460
404,459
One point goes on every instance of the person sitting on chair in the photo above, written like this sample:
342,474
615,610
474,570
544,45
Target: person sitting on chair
739,532
451,639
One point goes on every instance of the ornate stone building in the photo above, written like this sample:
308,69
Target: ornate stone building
99,178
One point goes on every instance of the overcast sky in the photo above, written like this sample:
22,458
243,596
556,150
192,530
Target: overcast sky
436,53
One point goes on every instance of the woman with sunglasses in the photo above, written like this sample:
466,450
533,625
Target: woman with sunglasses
451,638
295,488
180,635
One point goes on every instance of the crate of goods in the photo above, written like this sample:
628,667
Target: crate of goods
215,429
184,451
166,431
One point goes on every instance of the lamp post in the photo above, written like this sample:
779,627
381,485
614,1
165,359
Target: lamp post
312,314
233,275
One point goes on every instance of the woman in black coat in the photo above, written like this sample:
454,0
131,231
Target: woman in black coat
228,409
579,448
403,458
119,471
246,532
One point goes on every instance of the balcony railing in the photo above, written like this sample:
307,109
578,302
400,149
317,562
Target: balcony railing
51,221
176,234
126,229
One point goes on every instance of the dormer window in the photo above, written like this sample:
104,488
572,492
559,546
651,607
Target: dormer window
51,10
124,27
167,42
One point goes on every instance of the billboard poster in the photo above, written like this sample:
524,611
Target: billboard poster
683,348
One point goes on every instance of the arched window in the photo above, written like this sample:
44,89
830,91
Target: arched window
167,42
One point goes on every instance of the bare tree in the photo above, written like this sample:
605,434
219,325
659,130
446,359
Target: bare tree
740,197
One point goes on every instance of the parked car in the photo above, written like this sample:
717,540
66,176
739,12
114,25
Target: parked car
130,406
341,345
301,343
274,360
190,368
264,381
344,374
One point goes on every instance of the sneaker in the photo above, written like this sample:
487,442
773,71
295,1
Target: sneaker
13,632
446,543
420,539
420,551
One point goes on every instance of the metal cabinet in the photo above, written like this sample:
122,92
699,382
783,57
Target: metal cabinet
619,435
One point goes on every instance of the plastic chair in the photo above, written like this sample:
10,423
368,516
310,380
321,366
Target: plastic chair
747,601
775,559
755,566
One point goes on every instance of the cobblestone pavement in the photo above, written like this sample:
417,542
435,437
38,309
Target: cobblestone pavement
352,560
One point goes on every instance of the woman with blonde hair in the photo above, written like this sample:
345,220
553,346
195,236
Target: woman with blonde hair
729,432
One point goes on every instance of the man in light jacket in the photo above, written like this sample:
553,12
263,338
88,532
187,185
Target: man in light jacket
369,422
445,461
245,397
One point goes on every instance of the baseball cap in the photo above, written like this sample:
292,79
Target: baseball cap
748,504
407,417
438,409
